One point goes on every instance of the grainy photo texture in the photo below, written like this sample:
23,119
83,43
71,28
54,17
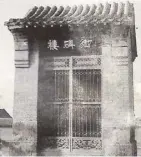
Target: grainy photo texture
74,87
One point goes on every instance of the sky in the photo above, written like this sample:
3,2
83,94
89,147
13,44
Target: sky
17,9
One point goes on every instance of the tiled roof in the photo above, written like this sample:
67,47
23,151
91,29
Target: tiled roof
88,14
4,114
5,119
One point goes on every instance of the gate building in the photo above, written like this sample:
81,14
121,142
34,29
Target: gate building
74,80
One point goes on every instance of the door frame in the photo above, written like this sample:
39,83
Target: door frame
94,62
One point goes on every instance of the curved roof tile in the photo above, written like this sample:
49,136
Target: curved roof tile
37,13
71,12
113,10
84,12
90,13
120,10
50,13
31,12
99,10
108,12
45,12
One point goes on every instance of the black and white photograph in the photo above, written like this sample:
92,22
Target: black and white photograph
70,78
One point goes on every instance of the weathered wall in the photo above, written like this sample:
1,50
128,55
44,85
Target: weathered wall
6,136
113,42
138,135
116,106
117,95
25,95
75,33
6,133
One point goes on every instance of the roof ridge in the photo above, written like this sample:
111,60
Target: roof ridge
117,12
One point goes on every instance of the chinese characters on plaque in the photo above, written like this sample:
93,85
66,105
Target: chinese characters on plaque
67,44
53,45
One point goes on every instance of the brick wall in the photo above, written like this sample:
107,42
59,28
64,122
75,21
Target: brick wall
25,96
117,107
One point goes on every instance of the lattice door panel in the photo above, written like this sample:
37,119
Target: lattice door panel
86,127
57,89
86,109
57,134
57,107
58,120
86,120
87,85
74,103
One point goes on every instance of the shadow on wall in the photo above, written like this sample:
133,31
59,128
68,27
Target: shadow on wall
48,147
48,143
133,141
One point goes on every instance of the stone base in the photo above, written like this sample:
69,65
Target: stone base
118,150
118,141
22,149
24,139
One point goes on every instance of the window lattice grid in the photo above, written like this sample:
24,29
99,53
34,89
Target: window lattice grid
58,120
57,85
87,85
86,120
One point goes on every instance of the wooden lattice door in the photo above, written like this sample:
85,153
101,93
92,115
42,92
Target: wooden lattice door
74,104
